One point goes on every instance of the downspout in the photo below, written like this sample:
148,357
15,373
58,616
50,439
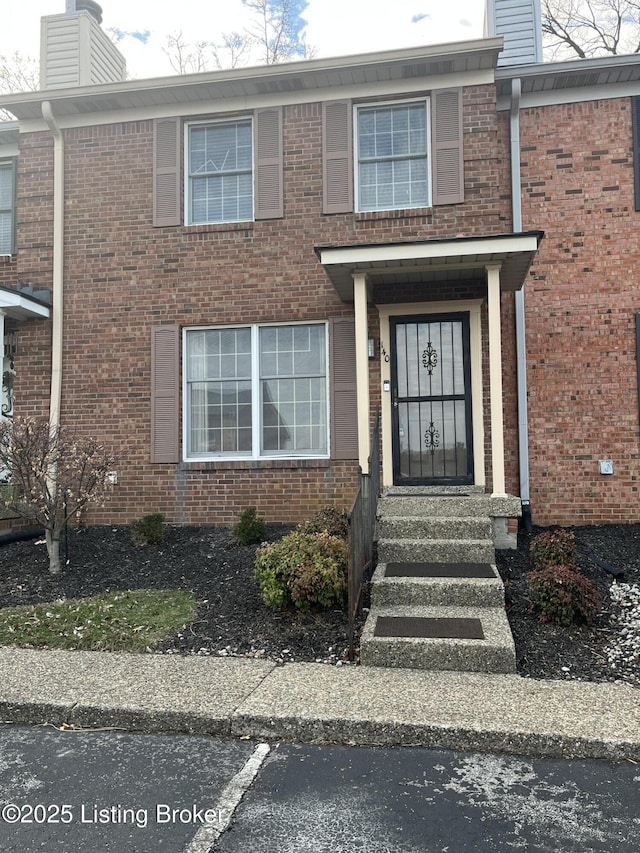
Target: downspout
58,266
521,344
55,399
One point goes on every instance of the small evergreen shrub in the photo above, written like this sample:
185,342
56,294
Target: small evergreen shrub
553,548
563,595
250,528
148,530
304,570
331,519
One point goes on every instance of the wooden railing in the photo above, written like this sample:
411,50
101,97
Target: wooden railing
362,521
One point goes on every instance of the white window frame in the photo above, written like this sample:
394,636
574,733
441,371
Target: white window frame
10,165
374,105
189,126
256,397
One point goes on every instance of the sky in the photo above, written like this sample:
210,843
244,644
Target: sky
334,27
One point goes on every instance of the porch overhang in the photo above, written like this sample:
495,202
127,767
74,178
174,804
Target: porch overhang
439,260
20,305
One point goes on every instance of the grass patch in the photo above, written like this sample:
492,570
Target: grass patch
127,621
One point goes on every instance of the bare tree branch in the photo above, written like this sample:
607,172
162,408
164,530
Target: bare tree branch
18,73
273,34
586,28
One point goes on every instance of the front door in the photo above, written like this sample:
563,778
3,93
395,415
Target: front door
431,399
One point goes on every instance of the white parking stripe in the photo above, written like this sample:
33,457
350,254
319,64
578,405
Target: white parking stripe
205,838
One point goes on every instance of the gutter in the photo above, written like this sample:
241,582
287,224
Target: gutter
521,347
58,266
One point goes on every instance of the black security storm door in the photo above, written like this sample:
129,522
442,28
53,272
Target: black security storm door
431,400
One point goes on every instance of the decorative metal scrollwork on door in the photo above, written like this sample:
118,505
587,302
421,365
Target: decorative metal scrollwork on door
7,393
7,352
430,358
431,438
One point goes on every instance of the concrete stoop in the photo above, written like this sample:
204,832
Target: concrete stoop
437,600
494,653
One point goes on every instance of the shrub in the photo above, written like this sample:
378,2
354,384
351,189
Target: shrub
553,548
251,528
331,519
563,595
148,530
54,473
303,569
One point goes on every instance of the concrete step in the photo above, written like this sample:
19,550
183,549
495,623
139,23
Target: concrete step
434,527
436,550
494,653
414,506
388,590
434,490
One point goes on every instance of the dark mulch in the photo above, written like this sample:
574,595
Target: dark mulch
233,620
576,652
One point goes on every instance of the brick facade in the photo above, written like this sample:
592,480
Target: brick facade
123,276
581,298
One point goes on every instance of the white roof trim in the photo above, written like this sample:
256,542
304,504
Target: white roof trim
513,253
21,307
429,250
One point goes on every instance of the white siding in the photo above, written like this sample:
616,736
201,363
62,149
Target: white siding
74,51
519,22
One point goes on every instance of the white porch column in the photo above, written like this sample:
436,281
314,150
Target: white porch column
495,379
362,368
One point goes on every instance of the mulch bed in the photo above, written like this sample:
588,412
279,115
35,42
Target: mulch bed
232,619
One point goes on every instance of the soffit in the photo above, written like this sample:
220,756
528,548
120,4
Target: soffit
22,306
407,64
460,259
554,77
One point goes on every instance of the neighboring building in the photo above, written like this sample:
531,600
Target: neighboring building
244,266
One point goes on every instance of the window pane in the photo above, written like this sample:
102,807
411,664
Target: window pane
293,389
392,151
221,172
292,386
5,233
6,208
6,187
294,416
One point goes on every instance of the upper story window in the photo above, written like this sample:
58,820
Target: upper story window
219,172
392,156
7,207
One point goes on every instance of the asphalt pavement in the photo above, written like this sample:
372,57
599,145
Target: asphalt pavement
307,703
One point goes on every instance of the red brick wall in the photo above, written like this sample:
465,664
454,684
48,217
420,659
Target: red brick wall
577,173
122,276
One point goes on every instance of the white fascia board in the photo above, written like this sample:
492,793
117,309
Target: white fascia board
15,304
426,251
384,89
605,92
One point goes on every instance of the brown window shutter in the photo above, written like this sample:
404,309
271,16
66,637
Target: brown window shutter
269,203
165,394
166,172
337,157
448,166
344,399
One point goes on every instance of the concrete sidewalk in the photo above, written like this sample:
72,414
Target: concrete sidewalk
239,697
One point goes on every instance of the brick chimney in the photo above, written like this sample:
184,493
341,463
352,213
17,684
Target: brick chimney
518,21
75,51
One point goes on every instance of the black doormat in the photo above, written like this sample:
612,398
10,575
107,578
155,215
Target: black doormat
416,626
428,495
439,570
